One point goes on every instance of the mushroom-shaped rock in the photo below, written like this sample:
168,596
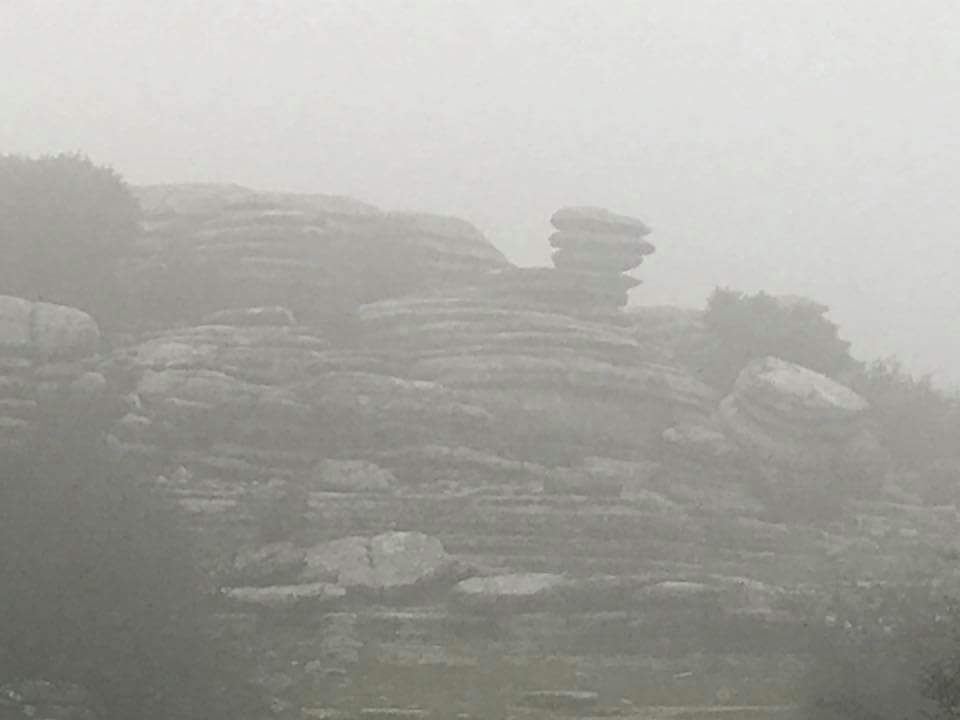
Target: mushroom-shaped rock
594,246
595,219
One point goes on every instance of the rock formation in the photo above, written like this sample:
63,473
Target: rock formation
793,416
209,247
47,364
477,464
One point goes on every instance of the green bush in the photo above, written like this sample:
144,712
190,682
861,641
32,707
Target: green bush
753,326
64,222
100,587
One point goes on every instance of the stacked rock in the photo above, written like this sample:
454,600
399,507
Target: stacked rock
593,250
600,245
793,416
46,353
596,240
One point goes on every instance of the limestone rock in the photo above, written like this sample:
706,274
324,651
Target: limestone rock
510,592
390,561
594,219
701,442
791,415
561,700
280,597
276,315
317,255
269,563
46,330
357,476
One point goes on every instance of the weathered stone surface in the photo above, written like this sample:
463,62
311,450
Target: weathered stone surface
385,562
510,592
594,219
46,368
701,442
279,597
46,330
357,476
269,563
791,415
276,315
317,255
561,700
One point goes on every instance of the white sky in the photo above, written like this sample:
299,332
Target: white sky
803,146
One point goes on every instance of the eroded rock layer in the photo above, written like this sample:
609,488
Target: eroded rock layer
209,247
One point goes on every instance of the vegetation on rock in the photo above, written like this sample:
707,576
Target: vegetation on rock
760,325
64,222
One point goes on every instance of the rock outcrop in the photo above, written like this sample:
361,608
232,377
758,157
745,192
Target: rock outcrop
47,366
209,247
475,464
595,246
793,416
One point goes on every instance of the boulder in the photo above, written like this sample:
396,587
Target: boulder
383,563
792,416
46,330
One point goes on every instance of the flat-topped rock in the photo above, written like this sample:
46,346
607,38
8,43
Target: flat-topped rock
596,219
796,390
220,247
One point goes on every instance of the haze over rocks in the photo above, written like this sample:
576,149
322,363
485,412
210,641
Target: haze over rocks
380,427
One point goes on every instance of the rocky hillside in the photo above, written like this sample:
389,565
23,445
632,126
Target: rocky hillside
434,483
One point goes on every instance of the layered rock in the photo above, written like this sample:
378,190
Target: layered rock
595,246
213,247
46,366
541,373
793,416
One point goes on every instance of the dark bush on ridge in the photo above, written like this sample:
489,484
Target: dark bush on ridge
63,223
752,326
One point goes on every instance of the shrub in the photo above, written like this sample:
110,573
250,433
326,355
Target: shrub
886,651
63,224
99,586
919,425
753,326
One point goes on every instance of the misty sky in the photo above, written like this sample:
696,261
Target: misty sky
802,146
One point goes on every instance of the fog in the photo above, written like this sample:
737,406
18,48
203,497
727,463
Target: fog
806,147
